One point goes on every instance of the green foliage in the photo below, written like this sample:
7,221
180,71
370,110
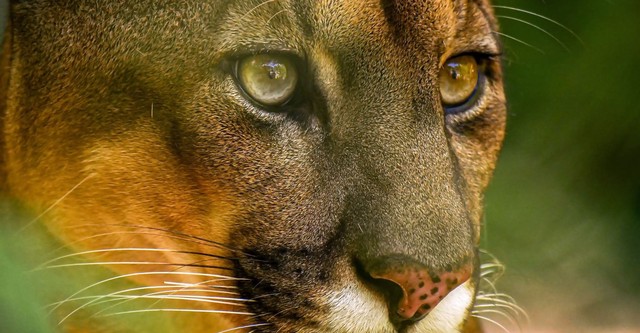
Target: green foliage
20,307
563,211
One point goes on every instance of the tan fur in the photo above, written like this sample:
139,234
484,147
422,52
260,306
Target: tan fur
121,122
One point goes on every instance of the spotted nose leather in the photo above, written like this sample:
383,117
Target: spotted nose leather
422,291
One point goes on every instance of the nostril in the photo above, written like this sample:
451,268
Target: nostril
412,291
391,291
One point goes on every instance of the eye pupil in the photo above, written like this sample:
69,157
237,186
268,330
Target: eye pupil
276,71
454,73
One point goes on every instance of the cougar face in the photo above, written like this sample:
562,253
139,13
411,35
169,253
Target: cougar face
321,161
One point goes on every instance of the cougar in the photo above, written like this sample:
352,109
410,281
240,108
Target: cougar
255,165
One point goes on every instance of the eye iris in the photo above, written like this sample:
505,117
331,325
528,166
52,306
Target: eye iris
268,79
458,80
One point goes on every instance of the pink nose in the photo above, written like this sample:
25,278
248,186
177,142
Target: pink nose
421,291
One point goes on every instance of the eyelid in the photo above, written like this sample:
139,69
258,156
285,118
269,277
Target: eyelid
260,48
492,48
228,60
231,61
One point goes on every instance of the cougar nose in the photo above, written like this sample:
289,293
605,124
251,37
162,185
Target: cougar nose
420,290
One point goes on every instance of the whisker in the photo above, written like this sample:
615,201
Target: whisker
204,299
200,284
178,310
490,304
496,295
81,240
213,298
276,14
101,299
493,258
488,272
56,203
544,18
95,300
205,284
166,291
139,263
199,264
506,315
210,291
181,266
491,321
266,295
518,40
499,266
131,249
494,302
195,286
564,46
490,283
144,288
256,7
515,308
135,275
275,314
491,264
207,241
114,293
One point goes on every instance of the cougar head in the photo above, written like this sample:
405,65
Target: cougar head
321,161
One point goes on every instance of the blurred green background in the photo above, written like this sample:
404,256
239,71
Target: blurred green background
563,211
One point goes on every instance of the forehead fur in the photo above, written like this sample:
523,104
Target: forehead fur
425,16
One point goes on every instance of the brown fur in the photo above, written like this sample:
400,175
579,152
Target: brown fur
126,110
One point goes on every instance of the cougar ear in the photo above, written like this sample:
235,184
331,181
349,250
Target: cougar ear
5,61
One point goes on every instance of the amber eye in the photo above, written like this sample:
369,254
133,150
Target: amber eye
269,79
459,78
